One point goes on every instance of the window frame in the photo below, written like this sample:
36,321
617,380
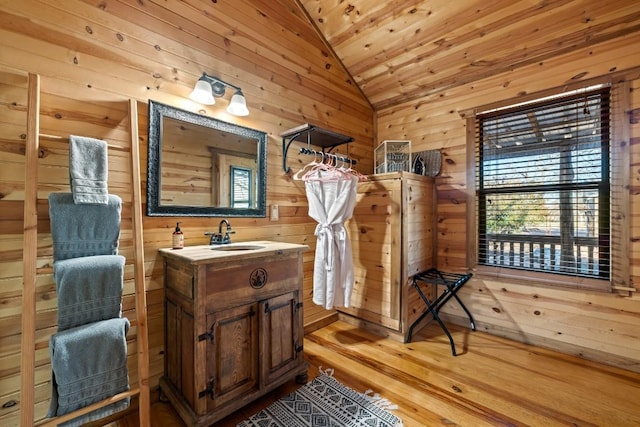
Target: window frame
619,280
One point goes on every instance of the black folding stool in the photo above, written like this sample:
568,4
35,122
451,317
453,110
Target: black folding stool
452,283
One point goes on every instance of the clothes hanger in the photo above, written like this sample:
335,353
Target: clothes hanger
325,171
361,177
299,175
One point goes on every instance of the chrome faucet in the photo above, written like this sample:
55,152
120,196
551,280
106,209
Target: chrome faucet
219,238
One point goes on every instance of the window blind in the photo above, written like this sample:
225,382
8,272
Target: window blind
241,187
543,185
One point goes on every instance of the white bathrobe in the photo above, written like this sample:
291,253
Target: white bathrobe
331,202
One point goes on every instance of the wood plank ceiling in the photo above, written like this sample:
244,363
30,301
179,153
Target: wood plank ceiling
402,50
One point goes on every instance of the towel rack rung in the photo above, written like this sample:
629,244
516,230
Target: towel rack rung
66,139
77,413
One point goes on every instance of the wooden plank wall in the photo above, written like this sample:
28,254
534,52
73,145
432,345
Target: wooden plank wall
95,55
598,326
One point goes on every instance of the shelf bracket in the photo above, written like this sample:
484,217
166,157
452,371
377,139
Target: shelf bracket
285,150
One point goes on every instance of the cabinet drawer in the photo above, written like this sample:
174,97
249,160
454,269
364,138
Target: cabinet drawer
228,286
236,284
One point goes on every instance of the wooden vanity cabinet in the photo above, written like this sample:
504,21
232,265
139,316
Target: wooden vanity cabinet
234,327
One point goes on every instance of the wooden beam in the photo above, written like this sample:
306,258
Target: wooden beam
138,242
30,253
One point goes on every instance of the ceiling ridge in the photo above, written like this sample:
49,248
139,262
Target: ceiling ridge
333,52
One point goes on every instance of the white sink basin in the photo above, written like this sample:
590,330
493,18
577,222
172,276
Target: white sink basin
237,247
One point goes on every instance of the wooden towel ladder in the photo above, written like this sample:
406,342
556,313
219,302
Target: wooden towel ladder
30,245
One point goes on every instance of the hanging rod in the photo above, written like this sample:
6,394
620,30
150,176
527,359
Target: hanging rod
325,156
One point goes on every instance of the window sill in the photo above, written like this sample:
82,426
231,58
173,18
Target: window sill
523,277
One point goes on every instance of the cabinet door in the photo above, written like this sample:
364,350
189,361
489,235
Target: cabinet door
376,241
179,349
281,335
232,355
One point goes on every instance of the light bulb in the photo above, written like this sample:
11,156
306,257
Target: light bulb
238,105
202,93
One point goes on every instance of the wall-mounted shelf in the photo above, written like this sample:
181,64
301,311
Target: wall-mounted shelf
312,135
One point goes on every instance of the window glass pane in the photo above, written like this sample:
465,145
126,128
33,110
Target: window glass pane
525,230
241,187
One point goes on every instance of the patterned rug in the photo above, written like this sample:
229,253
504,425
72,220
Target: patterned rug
325,402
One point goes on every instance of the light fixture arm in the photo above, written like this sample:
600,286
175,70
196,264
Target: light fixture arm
217,85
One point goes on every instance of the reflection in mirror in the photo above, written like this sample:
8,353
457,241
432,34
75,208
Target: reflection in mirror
200,166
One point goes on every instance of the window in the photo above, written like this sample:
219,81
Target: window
543,186
240,187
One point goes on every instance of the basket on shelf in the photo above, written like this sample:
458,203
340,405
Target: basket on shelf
393,156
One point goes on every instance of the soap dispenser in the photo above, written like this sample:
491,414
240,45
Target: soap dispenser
178,237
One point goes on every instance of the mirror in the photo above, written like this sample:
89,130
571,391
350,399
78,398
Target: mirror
201,166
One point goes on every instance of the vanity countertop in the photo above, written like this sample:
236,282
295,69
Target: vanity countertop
203,254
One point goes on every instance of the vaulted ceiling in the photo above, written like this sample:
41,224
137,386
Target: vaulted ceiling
402,50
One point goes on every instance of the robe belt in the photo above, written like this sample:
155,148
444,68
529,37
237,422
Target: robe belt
327,234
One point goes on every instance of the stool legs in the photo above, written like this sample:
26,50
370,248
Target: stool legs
471,321
453,283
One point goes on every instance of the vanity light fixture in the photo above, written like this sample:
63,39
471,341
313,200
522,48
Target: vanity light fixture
208,88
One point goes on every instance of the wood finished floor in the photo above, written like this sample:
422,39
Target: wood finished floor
492,382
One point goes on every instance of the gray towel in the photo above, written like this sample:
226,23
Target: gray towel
83,230
89,289
88,169
89,364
